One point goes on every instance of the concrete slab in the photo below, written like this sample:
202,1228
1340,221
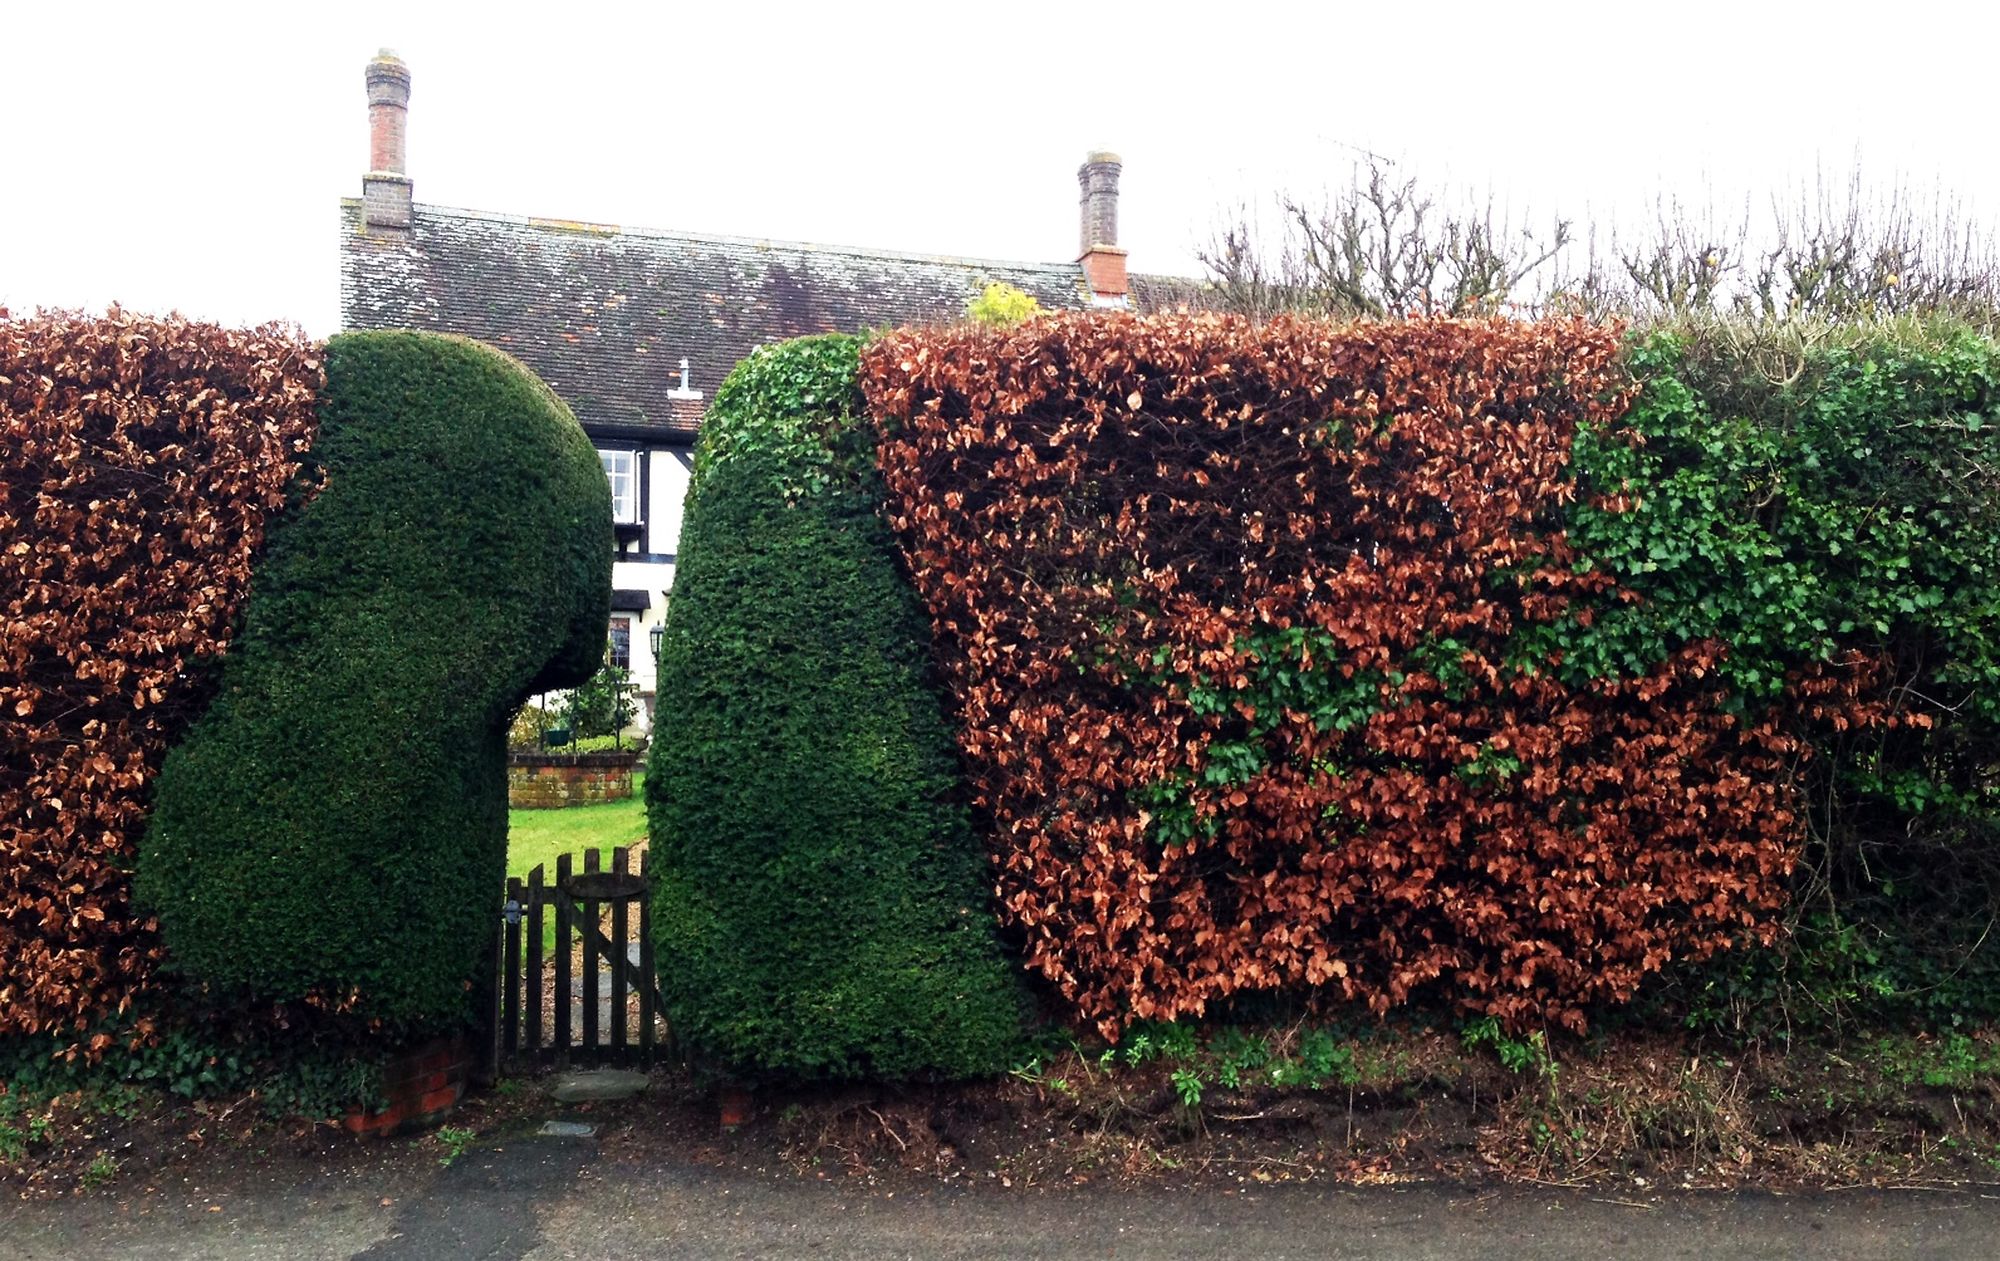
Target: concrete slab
587,1085
579,987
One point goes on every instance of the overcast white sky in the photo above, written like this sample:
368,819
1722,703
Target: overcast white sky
191,156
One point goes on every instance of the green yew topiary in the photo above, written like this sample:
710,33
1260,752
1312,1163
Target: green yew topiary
822,908
334,828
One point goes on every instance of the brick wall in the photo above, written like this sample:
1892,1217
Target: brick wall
423,1084
538,781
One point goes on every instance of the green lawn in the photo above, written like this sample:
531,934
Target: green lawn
537,836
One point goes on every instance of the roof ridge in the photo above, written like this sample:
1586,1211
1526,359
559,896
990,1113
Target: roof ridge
719,238
590,227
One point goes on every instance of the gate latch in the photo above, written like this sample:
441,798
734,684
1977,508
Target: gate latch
511,912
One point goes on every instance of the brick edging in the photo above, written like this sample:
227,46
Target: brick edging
422,1084
627,758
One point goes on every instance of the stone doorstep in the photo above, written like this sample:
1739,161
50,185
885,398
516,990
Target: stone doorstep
597,1084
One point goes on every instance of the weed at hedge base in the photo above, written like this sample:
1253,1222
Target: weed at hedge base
1518,1055
15,1139
454,1139
103,1167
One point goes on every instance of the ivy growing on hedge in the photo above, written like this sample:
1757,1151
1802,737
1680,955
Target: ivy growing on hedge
1799,495
1500,662
1850,505
334,828
822,911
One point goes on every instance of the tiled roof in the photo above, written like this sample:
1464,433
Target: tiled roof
605,314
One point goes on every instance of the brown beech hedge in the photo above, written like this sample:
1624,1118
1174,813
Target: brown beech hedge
142,460
1256,636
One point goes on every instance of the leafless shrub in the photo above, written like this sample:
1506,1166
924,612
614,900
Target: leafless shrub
1853,252
1388,245
1384,246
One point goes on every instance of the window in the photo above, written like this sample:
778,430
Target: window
621,642
621,468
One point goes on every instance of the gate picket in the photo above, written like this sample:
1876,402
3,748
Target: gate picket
532,974
649,1008
562,996
589,915
621,864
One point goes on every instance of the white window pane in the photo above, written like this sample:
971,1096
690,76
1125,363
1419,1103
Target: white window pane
621,469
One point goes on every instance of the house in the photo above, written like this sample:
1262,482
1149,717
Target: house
634,327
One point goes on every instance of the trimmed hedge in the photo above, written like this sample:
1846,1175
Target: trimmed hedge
334,828
1487,663
140,459
1232,618
822,911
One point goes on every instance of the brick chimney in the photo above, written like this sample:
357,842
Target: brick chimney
385,189
1103,262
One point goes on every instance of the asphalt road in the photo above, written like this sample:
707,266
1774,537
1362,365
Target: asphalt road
540,1199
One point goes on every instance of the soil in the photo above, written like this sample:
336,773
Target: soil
1634,1113
1640,1112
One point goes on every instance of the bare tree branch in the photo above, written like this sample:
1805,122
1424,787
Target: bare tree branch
1386,246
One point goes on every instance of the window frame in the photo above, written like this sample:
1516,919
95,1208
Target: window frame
620,622
605,456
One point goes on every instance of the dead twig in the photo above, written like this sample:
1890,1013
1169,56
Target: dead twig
888,1129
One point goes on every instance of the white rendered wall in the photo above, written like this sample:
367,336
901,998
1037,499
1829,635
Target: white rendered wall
656,580
669,492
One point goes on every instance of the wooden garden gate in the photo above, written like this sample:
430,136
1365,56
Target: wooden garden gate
577,983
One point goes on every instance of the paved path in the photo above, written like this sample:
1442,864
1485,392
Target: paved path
541,1199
